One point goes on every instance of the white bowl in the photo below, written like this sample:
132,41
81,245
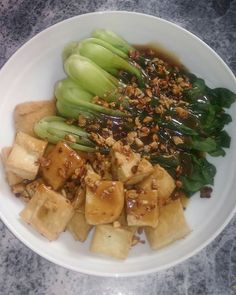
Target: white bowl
30,74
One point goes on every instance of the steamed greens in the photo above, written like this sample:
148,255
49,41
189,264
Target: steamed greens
91,77
54,128
72,101
105,66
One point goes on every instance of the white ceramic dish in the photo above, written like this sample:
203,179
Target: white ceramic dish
30,74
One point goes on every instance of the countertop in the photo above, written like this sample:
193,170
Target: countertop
211,271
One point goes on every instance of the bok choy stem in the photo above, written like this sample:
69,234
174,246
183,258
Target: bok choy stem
54,129
91,77
77,101
108,60
113,39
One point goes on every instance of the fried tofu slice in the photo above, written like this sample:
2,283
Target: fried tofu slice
78,225
172,226
160,180
79,200
27,114
122,222
48,212
123,159
62,163
128,166
143,170
11,177
104,199
142,207
24,156
111,241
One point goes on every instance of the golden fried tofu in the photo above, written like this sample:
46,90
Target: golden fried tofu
91,176
128,166
26,114
11,177
161,180
62,163
123,159
32,187
142,207
78,225
104,201
172,226
143,170
79,200
111,241
24,155
122,222
48,212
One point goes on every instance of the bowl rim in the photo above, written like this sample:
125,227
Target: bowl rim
133,273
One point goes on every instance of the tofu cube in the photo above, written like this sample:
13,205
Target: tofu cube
79,200
48,212
79,227
32,187
111,241
63,161
171,226
104,200
11,177
24,155
161,180
142,208
144,169
128,166
122,222
123,159
28,113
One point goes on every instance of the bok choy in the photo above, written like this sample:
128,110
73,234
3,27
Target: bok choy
91,77
73,101
54,129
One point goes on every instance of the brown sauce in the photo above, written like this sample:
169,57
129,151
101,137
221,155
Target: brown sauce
163,53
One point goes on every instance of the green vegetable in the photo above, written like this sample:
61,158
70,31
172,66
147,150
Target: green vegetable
91,77
54,129
71,91
222,141
113,39
69,49
203,173
73,101
73,48
93,67
108,60
68,110
197,90
207,105
166,161
221,96
202,144
175,125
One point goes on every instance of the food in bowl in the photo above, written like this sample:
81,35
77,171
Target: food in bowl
121,148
